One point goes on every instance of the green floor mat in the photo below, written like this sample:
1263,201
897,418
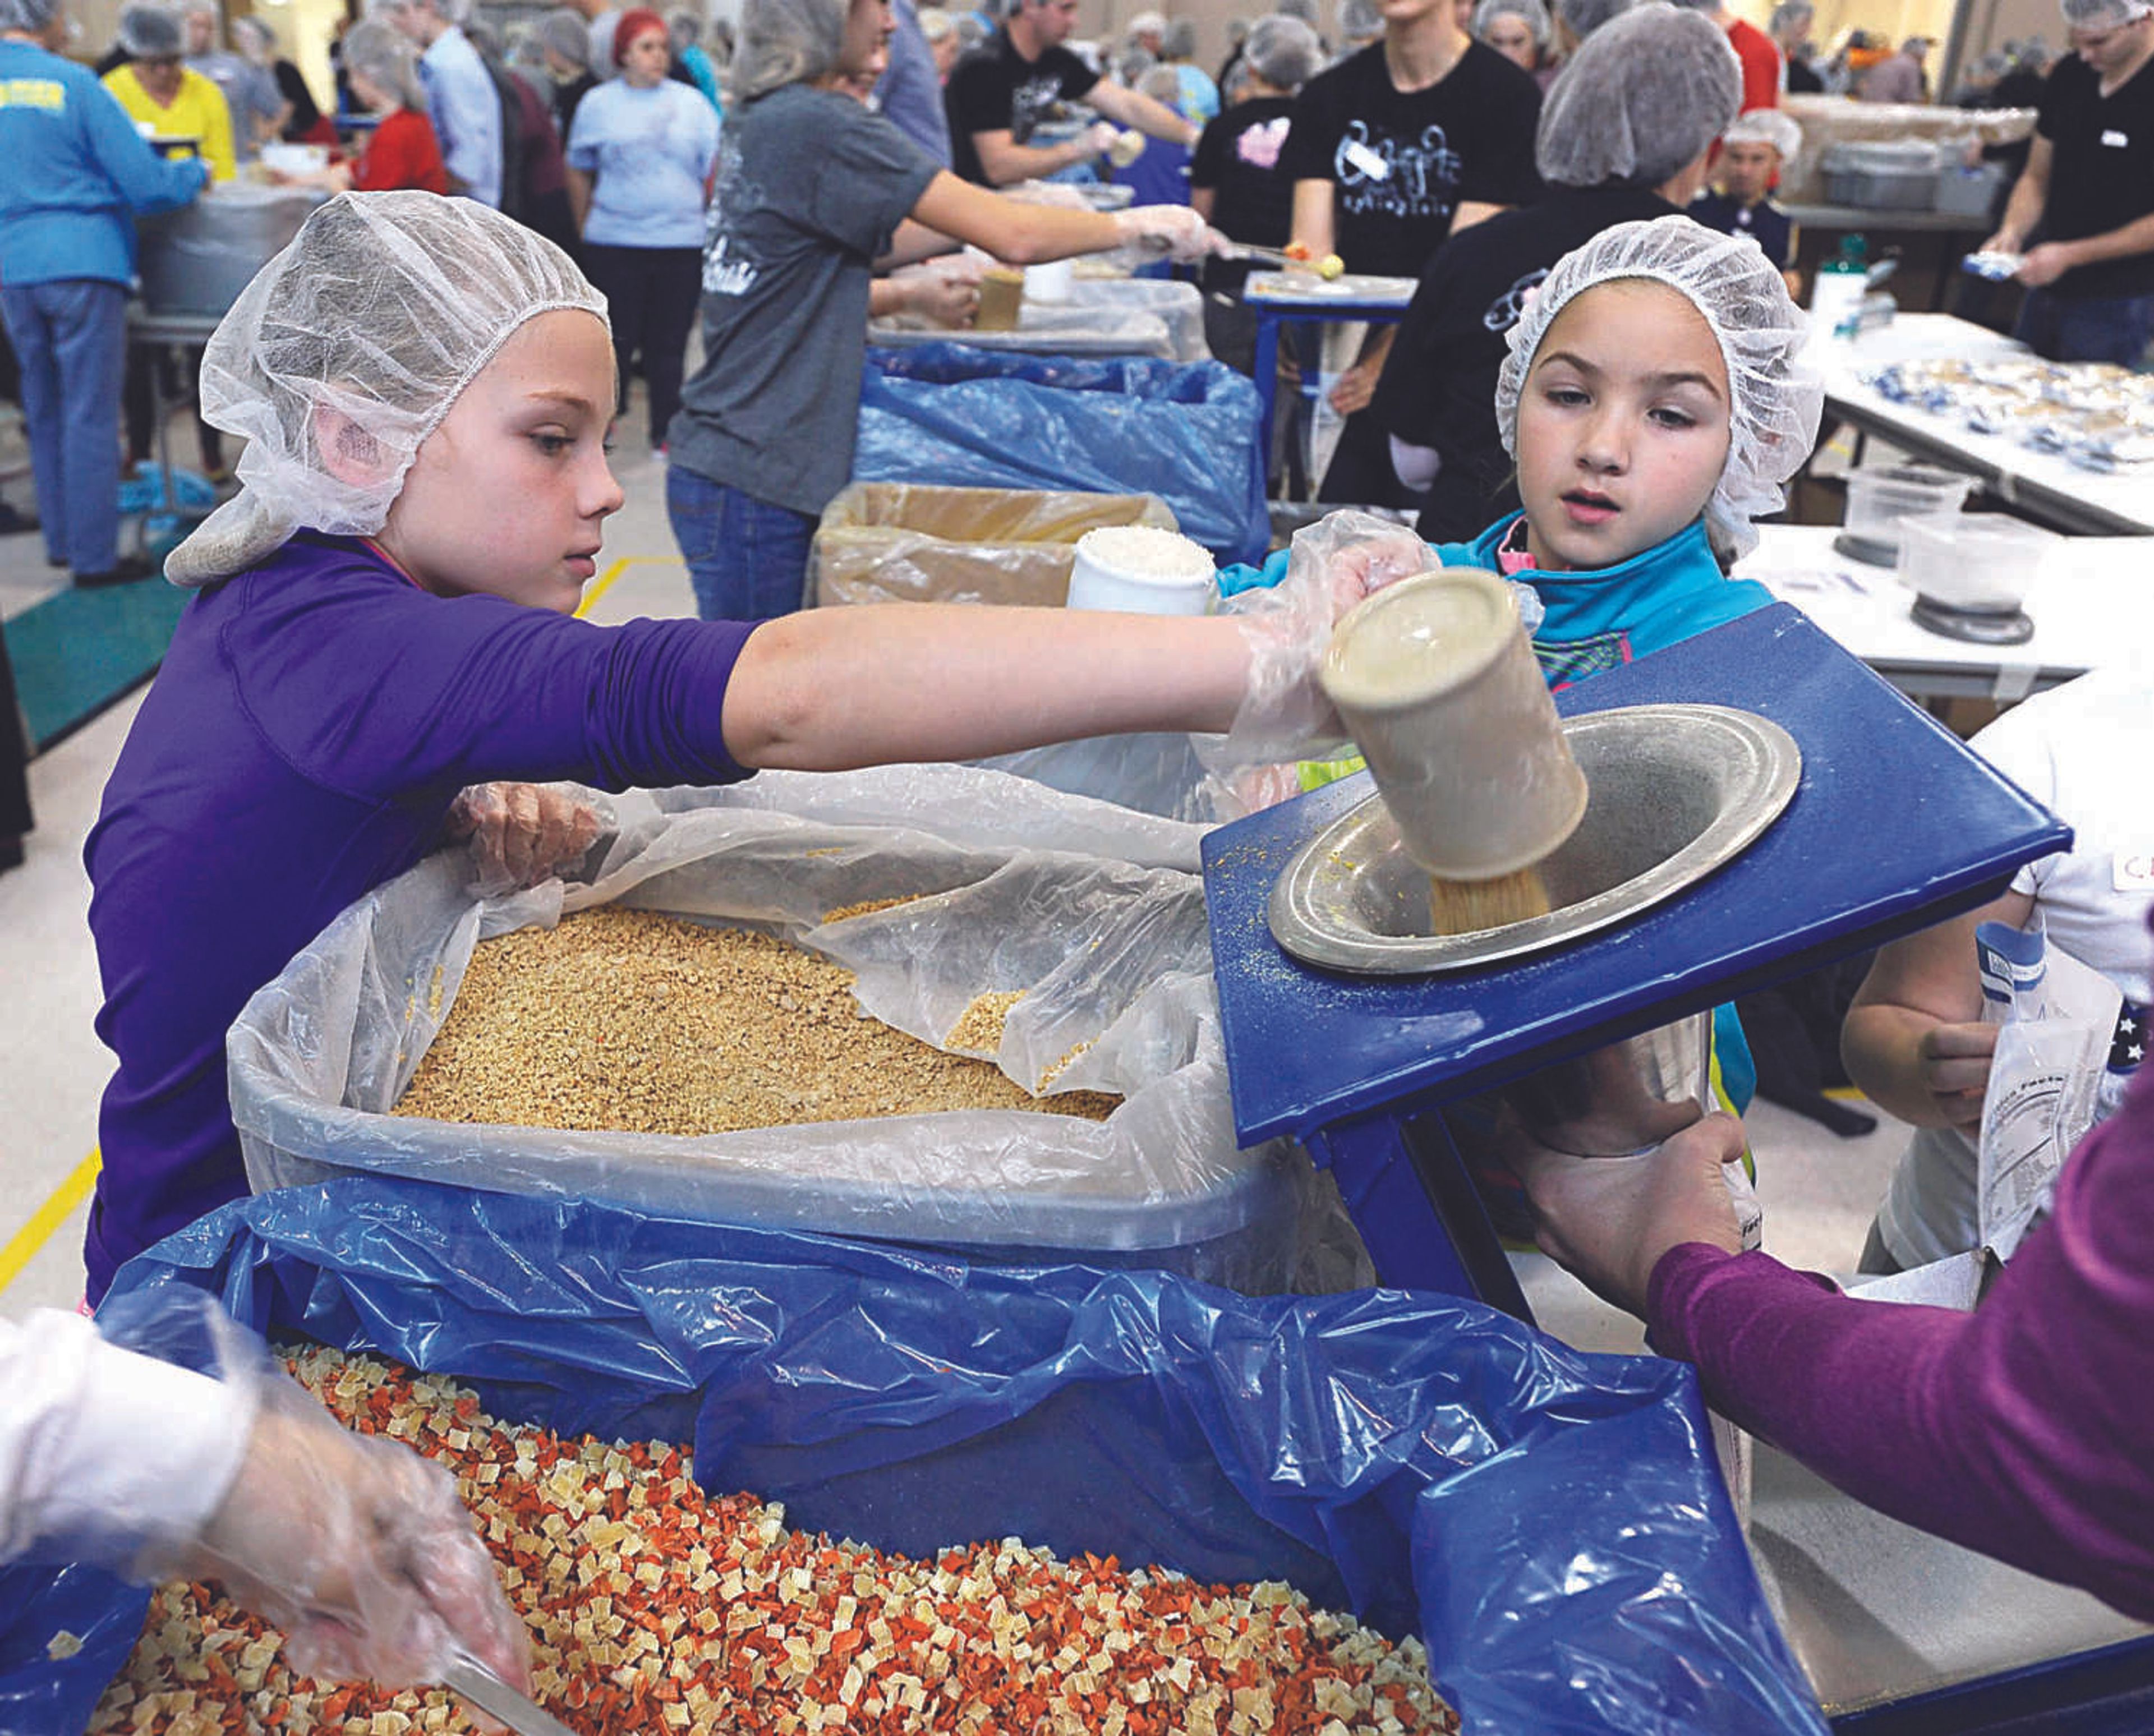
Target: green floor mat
78,650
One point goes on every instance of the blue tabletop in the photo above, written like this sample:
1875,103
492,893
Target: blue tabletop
1895,824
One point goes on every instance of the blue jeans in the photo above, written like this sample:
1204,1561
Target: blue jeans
746,558
71,339
2061,328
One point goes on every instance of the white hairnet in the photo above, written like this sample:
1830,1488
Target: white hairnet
1147,24
1536,12
1774,397
1282,51
786,42
935,24
1643,96
1582,18
383,308
149,31
1766,127
29,15
2104,14
387,59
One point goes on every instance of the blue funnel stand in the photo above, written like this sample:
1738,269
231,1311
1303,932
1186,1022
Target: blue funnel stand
1896,825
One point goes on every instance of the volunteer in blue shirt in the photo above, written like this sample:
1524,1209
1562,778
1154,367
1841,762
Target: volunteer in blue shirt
78,173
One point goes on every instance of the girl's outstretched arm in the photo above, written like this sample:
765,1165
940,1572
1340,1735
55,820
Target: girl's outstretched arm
831,689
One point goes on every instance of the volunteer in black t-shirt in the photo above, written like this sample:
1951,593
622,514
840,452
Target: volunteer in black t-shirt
1415,138
1238,182
1629,124
2086,197
1001,91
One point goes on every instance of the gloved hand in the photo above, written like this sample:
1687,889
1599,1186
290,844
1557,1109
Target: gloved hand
522,834
946,290
1099,137
358,1549
1185,237
1283,717
354,1545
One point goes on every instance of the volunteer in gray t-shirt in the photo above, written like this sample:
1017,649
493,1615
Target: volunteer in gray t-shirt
813,189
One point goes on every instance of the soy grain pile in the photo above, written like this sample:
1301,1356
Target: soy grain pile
653,1607
627,1021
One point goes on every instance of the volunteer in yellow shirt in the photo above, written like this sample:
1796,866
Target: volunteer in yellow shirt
156,88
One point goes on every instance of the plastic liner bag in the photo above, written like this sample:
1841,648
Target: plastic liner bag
1124,316
955,415
1112,953
914,542
1553,1525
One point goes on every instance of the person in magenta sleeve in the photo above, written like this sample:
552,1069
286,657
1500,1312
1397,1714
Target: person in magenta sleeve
2018,1429
383,636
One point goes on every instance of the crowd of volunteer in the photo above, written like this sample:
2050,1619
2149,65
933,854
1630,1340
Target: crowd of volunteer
1603,382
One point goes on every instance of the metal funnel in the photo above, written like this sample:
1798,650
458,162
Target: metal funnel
1676,791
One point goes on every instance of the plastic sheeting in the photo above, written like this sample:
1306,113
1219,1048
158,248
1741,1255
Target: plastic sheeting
1554,1525
1113,956
947,413
913,542
1120,316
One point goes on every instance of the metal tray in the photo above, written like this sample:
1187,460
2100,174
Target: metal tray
1674,792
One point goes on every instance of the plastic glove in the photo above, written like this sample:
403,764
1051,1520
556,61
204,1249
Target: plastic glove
949,296
1331,566
355,1546
1175,229
1101,137
522,834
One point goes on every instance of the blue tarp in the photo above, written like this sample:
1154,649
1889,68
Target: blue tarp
1186,431
1553,1524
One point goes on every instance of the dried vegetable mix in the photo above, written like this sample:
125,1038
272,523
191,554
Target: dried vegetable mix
657,1608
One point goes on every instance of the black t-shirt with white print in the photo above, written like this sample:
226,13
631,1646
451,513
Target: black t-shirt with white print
1402,162
994,89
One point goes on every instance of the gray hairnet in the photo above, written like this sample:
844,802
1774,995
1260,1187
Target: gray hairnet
786,42
1766,127
1536,12
150,31
1774,397
1162,83
29,15
383,308
253,39
1358,20
1282,51
1305,10
1134,63
1788,14
1582,18
384,56
1180,42
684,27
1642,97
564,32
2104,14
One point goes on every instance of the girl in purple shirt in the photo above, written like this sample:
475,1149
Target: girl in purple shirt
384,620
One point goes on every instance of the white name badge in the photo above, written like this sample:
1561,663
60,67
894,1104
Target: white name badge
1367,161
2133,871
2114,140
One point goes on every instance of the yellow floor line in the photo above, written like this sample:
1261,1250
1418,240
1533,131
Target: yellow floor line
24,1246
604,583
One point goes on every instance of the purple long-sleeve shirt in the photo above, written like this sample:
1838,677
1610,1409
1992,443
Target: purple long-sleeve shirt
313,721
2020,1430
